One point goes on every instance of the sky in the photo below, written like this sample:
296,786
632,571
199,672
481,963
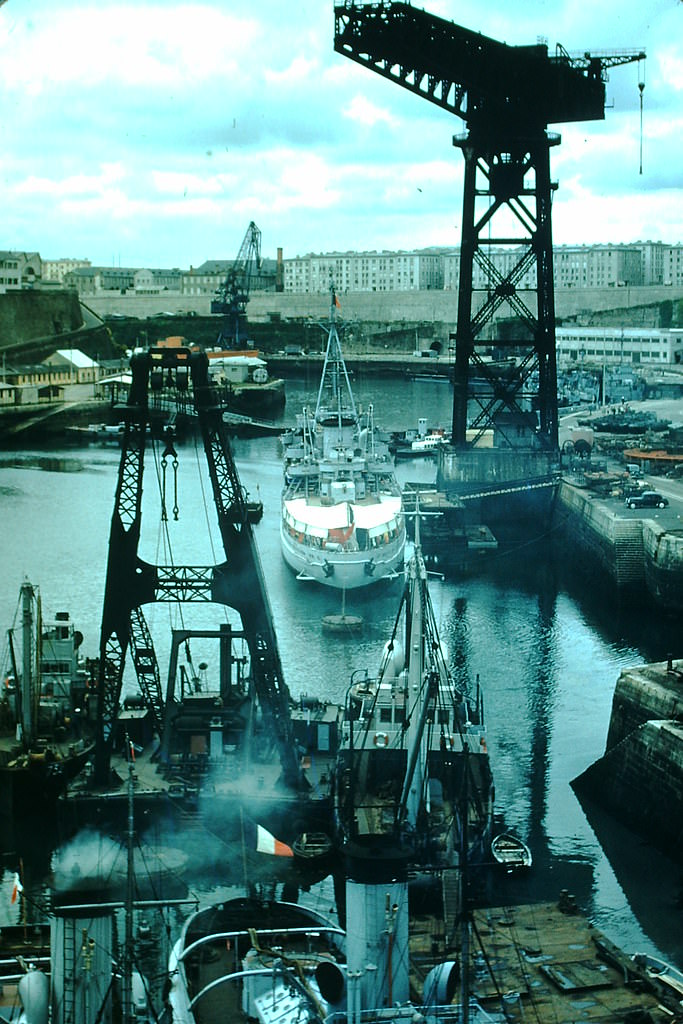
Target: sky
151,134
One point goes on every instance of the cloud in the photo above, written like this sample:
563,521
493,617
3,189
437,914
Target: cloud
167,127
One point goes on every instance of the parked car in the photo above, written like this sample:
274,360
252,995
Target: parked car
647,499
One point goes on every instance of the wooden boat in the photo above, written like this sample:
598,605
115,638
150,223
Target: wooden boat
312,846
510,852
659,971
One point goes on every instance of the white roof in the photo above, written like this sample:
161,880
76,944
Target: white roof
78,358
237,361
329,517
117,378
367,516
335,517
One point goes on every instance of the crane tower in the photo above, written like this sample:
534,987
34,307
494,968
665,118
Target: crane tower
507,96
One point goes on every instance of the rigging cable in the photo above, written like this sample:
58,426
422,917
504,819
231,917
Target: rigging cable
641,90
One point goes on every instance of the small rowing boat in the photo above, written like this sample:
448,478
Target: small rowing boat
510,852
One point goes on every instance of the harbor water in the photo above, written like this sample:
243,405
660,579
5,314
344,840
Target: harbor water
547,649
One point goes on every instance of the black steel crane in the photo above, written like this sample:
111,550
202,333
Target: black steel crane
233,295
237,582
507,96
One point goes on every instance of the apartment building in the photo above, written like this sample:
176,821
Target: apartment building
365,272
56,270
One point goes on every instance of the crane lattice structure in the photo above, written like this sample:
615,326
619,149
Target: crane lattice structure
233,295
131,583
507,96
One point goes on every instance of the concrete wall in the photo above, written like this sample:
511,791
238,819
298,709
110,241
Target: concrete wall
640,776
388,307
608,543
663,550
642,694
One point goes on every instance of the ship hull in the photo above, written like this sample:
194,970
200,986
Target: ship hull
345,570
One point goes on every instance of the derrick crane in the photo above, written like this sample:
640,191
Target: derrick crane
233,294
236,582
507,96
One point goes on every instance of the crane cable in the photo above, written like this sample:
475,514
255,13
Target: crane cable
641,90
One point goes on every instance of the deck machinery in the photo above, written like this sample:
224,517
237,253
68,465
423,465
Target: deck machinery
237,582
507,96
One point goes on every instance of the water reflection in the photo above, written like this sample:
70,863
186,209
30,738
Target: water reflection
548,650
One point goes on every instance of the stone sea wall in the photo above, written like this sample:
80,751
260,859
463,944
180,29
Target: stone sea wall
639,778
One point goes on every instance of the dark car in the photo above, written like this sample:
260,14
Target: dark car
647,499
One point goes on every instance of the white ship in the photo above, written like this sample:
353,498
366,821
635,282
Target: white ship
341,521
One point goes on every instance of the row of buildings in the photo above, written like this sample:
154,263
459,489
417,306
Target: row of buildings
582,266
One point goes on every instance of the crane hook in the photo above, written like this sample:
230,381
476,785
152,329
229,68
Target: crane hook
169,451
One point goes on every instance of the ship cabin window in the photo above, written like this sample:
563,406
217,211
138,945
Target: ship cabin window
399,714
443,716
385,715
55,668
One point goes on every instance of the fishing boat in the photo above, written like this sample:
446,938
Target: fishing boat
341,522
510,852
46,732
413,760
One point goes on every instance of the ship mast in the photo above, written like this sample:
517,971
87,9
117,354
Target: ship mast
27,724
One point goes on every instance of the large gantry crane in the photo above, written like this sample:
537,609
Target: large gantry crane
233,294
507,96
237,582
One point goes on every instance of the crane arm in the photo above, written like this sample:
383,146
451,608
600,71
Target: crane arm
479,79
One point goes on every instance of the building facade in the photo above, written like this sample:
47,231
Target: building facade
56,270
365,272
19,270
606,346
575,267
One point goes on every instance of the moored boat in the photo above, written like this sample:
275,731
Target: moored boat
413,758
341,522
46,732
665,975
419,442
312,846
510,852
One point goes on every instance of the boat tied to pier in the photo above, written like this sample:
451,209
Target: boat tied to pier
46,732
413,759
341,522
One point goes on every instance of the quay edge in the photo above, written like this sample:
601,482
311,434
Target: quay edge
641,558
521,494
639,778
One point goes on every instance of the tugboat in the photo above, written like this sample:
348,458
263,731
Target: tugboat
341,522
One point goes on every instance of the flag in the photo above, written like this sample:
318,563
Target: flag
17,887
336,301
260,839
267,843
